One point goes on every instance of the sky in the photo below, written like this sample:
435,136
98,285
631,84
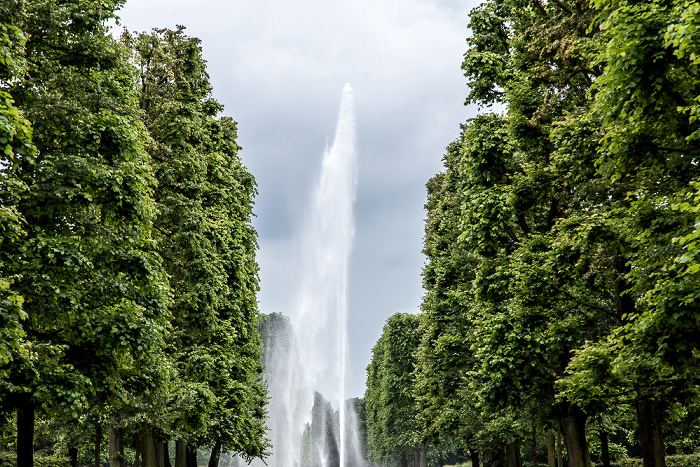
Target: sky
278,67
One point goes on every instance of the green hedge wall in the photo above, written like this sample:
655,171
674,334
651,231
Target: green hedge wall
9,459
689,460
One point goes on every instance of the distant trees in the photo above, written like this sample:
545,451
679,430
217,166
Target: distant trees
562,277
127,257
390,408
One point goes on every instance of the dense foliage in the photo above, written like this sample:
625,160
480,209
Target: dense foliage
389,402
127,256
562,278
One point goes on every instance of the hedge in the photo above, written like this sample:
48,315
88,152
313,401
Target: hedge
9,459
688,460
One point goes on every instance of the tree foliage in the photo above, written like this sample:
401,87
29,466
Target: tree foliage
204,203
127,256
562,235
389,401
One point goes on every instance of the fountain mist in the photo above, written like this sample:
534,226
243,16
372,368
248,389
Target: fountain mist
304,429
328,237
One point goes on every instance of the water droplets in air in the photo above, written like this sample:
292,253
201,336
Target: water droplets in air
308,428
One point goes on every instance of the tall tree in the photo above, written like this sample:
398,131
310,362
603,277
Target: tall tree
389,400
94,290
538,285
15,141
15,138
647,101
204,201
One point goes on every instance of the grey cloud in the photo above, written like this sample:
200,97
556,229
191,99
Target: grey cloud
279,67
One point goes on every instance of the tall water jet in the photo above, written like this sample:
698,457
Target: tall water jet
327,244
310,355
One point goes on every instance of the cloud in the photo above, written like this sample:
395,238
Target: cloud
279,66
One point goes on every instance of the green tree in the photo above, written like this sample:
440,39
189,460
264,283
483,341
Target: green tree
647,101
204,201
95,293
444,361
538,283
389,402
15,140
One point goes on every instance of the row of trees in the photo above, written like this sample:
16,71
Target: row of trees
562,278
127,255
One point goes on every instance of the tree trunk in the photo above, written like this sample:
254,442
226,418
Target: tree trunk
423,461
166,455
513,455
116,447
149,448
404,461
495,458
160,454
651,438
73,456
25,434
98,444
215,454
551,449
534,445
137,455
416,458
560,456
572,421
180,453
474,454
191,456
604,448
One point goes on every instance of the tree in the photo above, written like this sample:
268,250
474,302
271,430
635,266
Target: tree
95,293
445,409
539,284
579,206
15,137
389,402
206,239
647,100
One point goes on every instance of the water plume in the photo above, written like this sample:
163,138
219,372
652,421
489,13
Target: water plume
306,362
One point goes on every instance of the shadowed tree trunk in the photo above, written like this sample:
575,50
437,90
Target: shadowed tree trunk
551,449
149,448
116,447
160,454
215,455
98,443
573,428
604,448
73,457
513,455
534,445
180,453
474,454
191,455
25,433
423,461
560,454
651,438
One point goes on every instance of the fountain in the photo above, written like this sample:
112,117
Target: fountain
305,356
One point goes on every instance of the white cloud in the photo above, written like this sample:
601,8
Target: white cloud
279,66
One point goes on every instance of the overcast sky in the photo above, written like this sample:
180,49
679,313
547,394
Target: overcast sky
278,67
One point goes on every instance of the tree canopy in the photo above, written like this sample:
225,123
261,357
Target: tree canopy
128,277
561,236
